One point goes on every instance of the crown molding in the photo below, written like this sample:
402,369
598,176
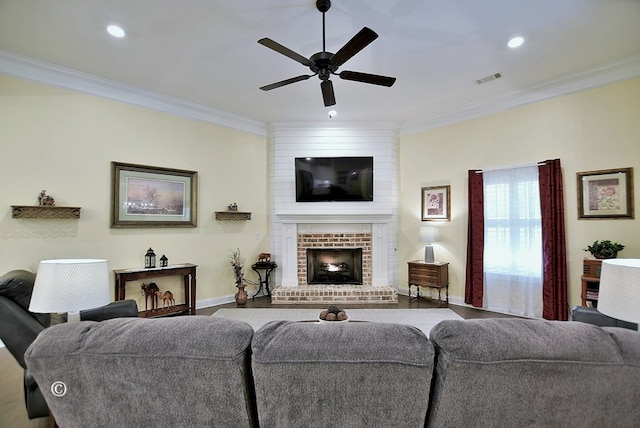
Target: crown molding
594,77
28,68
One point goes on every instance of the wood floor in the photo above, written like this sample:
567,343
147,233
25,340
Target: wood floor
403,303
14,415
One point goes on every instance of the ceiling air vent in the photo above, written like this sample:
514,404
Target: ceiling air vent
488,78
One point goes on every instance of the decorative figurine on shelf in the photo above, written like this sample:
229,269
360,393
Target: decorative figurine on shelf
167,296
164,261
264,257
150,259
44,199
232,207
237,262
150,290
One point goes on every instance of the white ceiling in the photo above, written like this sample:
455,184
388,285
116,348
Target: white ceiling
205,52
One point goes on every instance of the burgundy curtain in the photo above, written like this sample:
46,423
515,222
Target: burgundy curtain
554,254
474,283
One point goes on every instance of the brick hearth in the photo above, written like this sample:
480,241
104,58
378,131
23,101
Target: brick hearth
311,294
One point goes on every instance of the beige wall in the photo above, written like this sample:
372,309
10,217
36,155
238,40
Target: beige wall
64,141
590,130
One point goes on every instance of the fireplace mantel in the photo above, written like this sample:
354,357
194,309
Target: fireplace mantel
351,217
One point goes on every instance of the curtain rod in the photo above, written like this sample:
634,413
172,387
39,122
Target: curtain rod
522,165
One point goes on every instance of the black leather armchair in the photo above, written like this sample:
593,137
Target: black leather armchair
593,316
19,327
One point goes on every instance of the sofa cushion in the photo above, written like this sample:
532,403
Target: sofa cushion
133,372
517,372
355,374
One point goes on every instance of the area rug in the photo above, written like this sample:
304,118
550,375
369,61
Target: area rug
424,319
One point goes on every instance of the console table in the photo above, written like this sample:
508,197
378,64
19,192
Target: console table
186,270
430,275
268,267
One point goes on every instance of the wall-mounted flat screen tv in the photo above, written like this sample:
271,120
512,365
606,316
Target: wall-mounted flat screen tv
334,179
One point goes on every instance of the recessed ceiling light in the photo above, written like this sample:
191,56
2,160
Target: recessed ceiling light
332,113
116,31
515,42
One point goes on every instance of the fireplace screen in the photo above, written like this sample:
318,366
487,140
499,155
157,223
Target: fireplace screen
334,266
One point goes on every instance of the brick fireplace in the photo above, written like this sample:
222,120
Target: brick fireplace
367,234
342,258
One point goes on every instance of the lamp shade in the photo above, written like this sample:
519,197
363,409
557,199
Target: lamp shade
429,234
70,285
619,295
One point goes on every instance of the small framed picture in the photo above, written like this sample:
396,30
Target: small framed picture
436,203
605,194
149,196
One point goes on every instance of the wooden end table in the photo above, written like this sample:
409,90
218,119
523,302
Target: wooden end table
430,275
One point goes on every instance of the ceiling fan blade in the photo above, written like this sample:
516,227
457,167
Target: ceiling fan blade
285,51
285,82
327,93
374,79
353,46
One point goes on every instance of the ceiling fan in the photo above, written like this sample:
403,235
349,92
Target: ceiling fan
324,64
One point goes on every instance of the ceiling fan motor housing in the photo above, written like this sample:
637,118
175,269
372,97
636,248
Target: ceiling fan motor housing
322,65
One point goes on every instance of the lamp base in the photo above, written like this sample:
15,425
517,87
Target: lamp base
428,254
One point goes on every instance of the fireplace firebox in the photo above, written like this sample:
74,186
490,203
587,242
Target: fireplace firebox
334,266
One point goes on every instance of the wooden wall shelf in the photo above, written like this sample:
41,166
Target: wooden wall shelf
232,215
44,211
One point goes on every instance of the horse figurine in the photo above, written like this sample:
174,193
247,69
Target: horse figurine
150,290
167,296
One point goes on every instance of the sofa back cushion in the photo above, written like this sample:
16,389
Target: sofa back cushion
516,372
354,374
135,372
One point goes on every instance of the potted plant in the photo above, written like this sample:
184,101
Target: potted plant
604,249
237,262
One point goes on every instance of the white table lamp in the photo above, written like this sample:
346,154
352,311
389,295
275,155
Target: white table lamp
619,295
429,234
70,285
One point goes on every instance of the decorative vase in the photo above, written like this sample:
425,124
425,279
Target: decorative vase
241,296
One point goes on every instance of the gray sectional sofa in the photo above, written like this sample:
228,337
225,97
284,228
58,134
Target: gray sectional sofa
196,371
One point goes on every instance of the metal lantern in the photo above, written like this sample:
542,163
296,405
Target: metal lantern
150,259
164,261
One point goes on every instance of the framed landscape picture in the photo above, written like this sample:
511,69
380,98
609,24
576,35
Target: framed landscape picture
606,193
436,203
149,196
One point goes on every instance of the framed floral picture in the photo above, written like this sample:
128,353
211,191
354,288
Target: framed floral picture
606,193
436,203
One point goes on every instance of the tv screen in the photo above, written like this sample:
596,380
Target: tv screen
334,179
